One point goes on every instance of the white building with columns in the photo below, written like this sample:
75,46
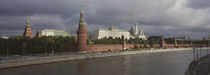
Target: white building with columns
111,32
53,32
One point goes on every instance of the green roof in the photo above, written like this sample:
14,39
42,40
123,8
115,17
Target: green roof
54,30
114,30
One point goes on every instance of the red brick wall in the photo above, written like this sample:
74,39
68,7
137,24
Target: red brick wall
101,47
184,45
168,45
155,45
129,46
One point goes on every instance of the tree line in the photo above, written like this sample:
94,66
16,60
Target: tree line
19,45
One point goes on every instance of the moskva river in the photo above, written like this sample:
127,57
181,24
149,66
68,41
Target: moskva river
164,63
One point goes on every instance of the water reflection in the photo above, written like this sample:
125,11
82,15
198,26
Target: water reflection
166,63
126,60
82,68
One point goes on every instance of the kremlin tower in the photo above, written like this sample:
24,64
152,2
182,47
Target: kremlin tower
37,32
27,32
81,33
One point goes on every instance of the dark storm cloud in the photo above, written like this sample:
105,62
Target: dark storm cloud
169,17
199,3
31,7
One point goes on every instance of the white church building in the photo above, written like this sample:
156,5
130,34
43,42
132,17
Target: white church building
136,33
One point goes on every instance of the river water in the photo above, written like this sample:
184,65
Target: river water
163,63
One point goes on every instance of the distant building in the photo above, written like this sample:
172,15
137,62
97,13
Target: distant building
207,37
4,37
111,32
53,32
137,34
37,33
28,31
141,35
183,38
136,31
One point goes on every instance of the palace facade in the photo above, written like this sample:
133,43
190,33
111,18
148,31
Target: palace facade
53,32
111,32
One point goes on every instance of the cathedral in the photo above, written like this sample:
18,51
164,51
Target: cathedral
136,33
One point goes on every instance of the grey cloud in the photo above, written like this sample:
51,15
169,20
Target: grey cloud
199,3
31,7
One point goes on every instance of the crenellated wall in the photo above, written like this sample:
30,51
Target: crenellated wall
101,47
82,38
168,45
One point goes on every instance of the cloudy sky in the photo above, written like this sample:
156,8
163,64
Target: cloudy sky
167,17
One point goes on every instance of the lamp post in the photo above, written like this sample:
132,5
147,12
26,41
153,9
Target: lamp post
24,46
194,53
207,47
7,48
207,50
200,52
45,47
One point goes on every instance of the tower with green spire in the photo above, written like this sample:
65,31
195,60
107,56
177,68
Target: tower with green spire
81,33
27,31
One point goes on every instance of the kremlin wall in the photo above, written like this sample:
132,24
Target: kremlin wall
82,46
102,47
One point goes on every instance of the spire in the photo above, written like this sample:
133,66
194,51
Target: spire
136,24
82,20
28,31
136,29
141,30
112,27
81,33
82,9
37,32
69,29
27,21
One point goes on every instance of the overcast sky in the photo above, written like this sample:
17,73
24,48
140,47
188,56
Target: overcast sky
167,17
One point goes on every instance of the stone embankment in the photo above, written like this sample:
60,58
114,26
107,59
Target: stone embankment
200,66
51,59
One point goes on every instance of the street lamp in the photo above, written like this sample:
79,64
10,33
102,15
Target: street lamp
24,46
45,47
7,48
